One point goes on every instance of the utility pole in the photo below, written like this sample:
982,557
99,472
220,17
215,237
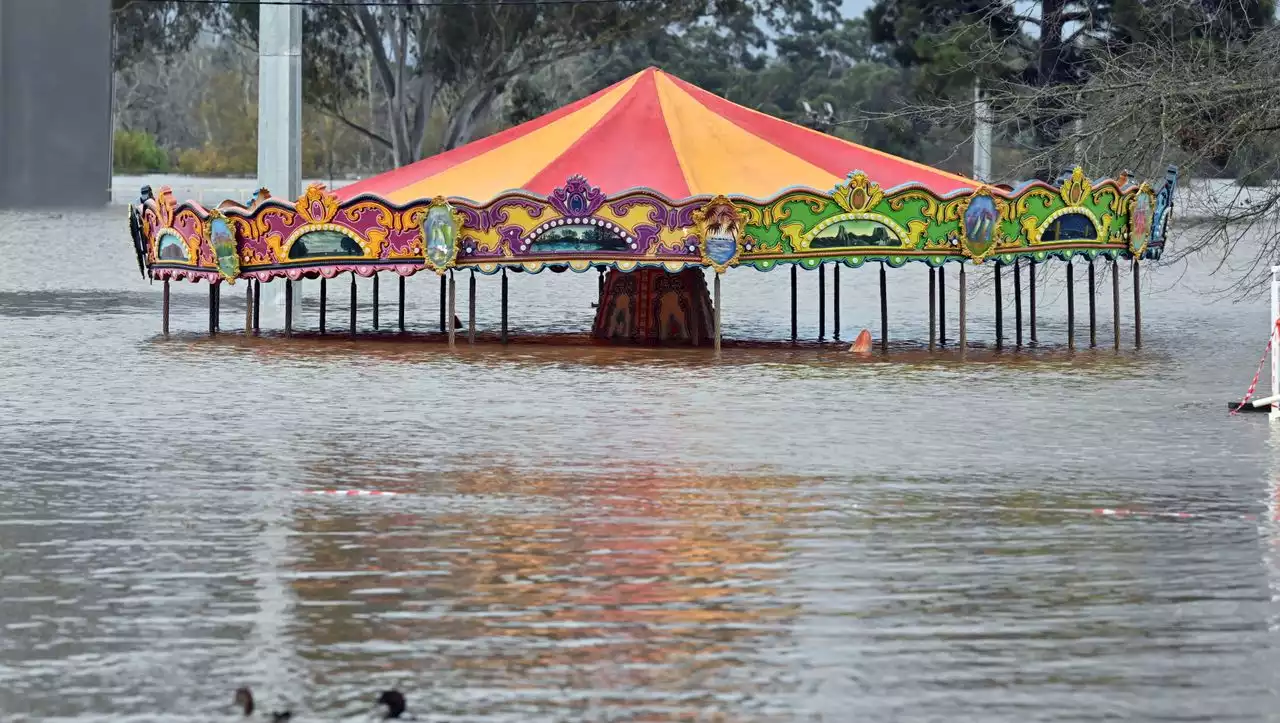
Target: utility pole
982,123
280,110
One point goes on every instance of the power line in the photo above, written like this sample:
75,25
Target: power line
395,3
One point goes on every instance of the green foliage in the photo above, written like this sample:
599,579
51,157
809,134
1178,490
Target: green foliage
137,152
148,28
821,58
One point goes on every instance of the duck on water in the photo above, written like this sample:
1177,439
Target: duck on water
391,705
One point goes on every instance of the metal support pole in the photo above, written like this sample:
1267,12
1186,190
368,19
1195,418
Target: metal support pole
795,333
884,310
1275,353
164,313
835,307
504,306
375,301
964,325
1115,300
822,302
257,306
717,313
600,286
213,309
933,308
1031,302
324,302
1137,308
1017,300
288,307
1093,312
1071,305
248,307
444,303
471,308
401,304
353,303
942,306
453,295
999,308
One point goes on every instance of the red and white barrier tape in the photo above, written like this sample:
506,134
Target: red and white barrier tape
1253,386
351,493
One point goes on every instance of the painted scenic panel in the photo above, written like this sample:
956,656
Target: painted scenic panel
852,234
172,248
1142,213
980,220
579,238
324,243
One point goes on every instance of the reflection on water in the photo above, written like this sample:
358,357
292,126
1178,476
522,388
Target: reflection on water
589,533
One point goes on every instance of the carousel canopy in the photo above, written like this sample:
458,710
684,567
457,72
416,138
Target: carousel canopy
656,131
650,173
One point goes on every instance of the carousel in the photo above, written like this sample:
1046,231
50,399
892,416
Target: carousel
653,182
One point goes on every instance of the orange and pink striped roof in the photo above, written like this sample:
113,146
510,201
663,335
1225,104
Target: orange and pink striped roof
656,131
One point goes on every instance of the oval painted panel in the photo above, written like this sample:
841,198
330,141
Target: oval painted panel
1070,227
320,244
171,248
852,234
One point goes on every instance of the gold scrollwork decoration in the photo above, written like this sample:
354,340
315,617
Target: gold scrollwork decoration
1023,205
929,208
1076,189
857,194
316,205
386,217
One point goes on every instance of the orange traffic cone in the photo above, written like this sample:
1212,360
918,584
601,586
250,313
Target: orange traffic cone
862,345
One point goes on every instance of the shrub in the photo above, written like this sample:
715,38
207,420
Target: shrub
137,152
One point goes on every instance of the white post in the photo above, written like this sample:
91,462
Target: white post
981,136
280,111
1275,353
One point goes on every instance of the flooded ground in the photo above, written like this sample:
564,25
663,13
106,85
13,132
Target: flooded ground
589,534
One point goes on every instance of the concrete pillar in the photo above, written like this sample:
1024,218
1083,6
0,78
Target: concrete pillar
55,103
280,110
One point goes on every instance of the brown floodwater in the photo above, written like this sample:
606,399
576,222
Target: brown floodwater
587,533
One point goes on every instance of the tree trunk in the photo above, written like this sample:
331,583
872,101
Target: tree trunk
1049,122
462,123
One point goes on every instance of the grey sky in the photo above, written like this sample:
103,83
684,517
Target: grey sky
855,7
